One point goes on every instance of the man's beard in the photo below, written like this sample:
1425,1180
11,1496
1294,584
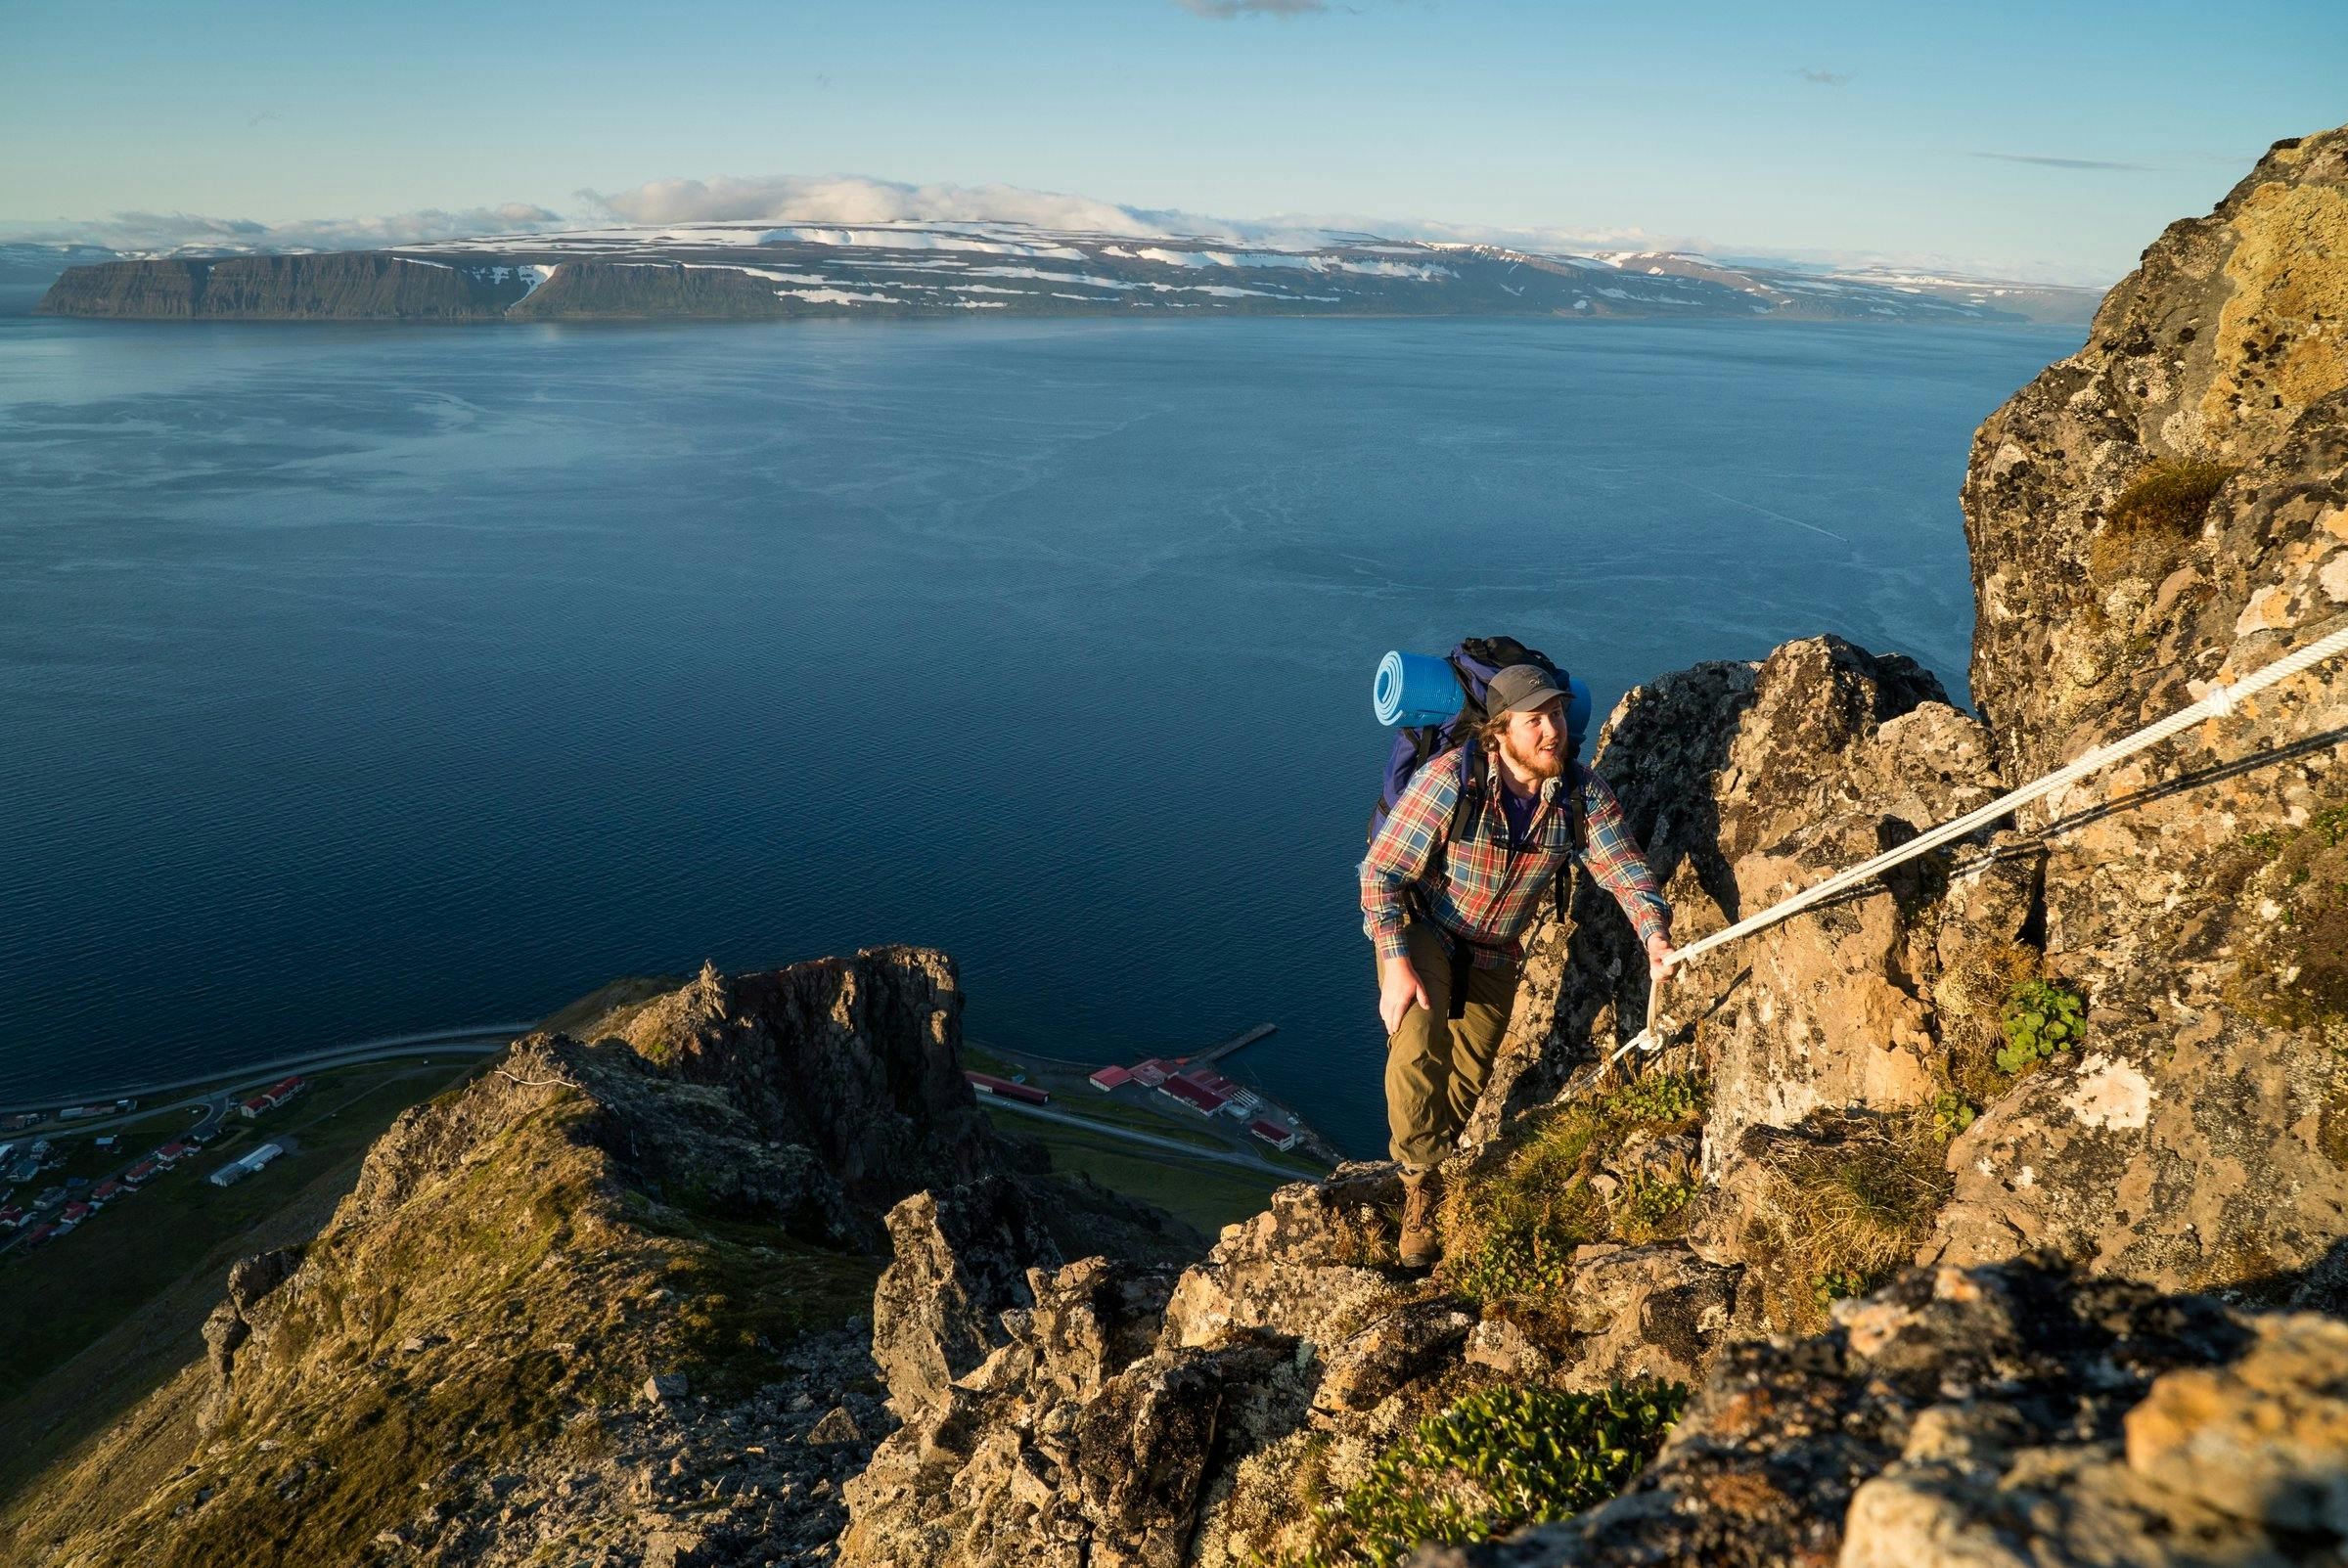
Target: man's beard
1534,763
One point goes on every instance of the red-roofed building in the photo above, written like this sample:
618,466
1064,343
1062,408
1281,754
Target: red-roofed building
1273,1133
140,1172
1152,1073
986,1083
10,1217
1191,1096
107,1188
1109,1078
75,1212
176,1150
38,1234
1213,1082
286,1088
253,1108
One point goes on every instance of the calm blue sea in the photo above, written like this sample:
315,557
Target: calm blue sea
356,681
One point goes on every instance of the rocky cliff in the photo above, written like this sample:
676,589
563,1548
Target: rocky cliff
965,271
1990,1215
353,286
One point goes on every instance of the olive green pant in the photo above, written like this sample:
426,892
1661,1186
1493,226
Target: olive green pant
1435,1064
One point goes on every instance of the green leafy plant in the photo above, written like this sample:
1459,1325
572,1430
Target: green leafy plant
1836,1284
1494,1462
1660,1097
2040,1018
1648,1206
1951,1114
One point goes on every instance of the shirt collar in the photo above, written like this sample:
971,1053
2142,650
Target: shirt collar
1499,783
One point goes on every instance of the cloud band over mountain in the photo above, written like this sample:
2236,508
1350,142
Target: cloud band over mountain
853,200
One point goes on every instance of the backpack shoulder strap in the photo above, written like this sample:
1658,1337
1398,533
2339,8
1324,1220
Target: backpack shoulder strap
1577,834
1471,796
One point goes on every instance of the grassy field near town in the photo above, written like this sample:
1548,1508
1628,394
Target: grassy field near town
96,1319
1203,1193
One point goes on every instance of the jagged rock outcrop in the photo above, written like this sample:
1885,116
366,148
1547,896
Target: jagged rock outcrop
2187,1143
962,1261
857,1059
1746,783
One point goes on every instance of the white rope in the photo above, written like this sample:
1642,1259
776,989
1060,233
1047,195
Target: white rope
2216,702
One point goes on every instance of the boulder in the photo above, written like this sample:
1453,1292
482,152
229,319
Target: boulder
961,1260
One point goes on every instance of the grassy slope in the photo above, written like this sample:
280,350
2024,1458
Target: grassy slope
596,1005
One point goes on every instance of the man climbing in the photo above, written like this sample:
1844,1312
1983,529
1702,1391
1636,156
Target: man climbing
1445,906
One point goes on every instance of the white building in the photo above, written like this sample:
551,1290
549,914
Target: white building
235,1171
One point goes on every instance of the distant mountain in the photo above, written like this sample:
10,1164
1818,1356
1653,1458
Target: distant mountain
762,271
22,263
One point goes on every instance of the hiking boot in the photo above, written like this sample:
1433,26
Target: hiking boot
1420,1246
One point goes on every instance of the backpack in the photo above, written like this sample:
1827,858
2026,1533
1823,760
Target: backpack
1474,662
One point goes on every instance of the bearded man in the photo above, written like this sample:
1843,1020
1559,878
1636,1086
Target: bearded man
1445,910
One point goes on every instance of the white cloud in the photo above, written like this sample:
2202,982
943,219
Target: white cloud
855,199
851,199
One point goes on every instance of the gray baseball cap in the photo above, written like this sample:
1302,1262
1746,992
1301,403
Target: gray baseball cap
1520,688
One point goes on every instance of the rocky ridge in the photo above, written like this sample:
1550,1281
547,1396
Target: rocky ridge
1941,1299
601,1304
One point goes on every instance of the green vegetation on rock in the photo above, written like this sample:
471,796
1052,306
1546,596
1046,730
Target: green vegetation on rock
1951,1114
2172,495
1851,1209
2040,1018
2294,968
2156,515
1493,1462
1511,1232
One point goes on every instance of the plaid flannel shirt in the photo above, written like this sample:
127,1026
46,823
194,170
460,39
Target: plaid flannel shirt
1485,890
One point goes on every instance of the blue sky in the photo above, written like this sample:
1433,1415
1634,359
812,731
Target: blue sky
1905,132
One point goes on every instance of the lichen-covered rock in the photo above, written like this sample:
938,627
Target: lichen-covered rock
1656,1312
1746,783
1077,1440
1316,1265
1960,1417
2264,1438
2188,1146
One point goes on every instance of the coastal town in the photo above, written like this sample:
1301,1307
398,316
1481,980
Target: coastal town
58,1209
63,1168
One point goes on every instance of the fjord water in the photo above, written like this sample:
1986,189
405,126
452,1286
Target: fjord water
356,680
